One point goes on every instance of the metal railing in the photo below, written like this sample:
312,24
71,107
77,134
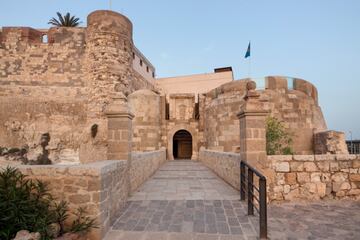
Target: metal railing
247,191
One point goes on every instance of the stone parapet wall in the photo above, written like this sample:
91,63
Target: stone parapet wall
226,165
313,177
144,165
99,187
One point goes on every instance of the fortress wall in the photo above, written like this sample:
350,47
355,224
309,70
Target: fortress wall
145,105
26,61
42,89
221,125
297,108
62,86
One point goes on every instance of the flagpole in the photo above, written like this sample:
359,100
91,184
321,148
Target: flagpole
110,4
250,66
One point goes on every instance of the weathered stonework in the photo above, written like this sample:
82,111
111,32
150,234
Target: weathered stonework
313,177
101,188
330,142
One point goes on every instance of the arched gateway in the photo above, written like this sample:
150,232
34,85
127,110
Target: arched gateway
182,145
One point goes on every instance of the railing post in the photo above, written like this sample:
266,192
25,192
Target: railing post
242,181
250,191
263,210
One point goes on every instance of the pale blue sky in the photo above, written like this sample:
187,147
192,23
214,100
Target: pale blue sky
318,40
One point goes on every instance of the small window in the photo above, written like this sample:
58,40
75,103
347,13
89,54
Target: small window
147,69
141,62
133,55
44,38
167,111
153,74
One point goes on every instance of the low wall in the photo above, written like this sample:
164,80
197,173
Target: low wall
143,165
99,187
313,177
226,165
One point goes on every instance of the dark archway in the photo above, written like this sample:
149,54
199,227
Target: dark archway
182,145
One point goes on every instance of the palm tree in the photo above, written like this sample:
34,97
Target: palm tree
64,21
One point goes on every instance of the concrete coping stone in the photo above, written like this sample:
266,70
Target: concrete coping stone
345,157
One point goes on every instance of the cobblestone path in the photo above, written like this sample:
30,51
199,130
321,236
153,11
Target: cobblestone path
185,200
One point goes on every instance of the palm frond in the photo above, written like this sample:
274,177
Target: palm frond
64,20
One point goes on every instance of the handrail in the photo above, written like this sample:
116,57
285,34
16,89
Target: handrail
247,192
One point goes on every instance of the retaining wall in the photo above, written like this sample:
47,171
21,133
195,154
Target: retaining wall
144,165
225,164
101,188
313,177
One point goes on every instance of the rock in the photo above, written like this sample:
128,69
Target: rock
26,235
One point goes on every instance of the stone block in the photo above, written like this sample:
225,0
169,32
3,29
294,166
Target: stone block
323,166
290,178
321,189
280,158
326,177
292,195
355,177
282,167
303,177
79,198
339,177
356,163
354,192
325,157
345,157
310,167
315,177
334,166
296,166
303,157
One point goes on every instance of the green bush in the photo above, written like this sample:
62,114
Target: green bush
27,205
278,140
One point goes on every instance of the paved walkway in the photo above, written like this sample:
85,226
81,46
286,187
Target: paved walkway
185,200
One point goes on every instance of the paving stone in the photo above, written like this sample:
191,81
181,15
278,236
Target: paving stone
226,217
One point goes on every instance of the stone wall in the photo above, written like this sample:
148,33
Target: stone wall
330,142
100,187
297,107
221,125
312,177
62,86
144,165
293,101
226,165
145,105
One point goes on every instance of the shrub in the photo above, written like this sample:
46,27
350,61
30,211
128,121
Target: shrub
278,140
27,205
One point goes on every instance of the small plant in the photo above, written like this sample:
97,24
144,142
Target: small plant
65,21
28,205
278,140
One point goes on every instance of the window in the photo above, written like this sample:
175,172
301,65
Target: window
133,55
141,62
153,74
147,69
167,111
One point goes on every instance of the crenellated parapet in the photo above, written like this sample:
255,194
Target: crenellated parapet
293,101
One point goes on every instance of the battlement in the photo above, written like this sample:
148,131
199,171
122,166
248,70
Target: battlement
268,83
58,56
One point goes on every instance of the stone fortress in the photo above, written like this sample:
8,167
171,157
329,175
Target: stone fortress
63,87
97,97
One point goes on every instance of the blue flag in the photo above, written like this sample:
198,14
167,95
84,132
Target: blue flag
247,54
